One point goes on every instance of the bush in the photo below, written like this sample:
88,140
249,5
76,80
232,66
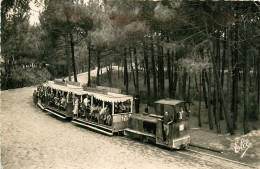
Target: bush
23,77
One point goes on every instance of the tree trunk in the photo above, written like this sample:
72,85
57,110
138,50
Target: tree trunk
125,70
98,66
218,69
258,84
89,64
188,97
109,74
214,103
199,118
220,91
137,95
160,72
235,76
217,107
223,65
169,71
73,57
145,78
118,72
229,81
175,82
147,74
246,90
154,73
132,68
160,75
204,88
209,102
68,56
184,79
196,83
136,73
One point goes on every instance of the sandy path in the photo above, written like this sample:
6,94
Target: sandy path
32,138
83,77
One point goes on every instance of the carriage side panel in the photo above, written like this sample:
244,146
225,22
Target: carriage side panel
120,122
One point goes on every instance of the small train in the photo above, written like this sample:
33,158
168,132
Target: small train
108,111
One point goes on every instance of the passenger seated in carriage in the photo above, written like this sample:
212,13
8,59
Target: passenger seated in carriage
122,108
116,108
42,94
76,107
103,114
50,98
128,106
63,103
82,110
57,102
86,102
92,111
38,94
109,118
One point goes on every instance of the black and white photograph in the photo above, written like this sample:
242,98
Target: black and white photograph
130,84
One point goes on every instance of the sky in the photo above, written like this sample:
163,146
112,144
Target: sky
35,11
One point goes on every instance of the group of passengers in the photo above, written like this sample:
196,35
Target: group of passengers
122,107
95,113
38,95
56,99
82,109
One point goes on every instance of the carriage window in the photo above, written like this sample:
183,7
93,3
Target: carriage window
122,107
54,92
97,103
108,106
65,94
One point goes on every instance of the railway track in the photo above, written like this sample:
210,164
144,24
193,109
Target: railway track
220,161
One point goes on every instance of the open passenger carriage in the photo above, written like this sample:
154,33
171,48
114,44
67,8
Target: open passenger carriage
95,108
169,128
57,98
104,111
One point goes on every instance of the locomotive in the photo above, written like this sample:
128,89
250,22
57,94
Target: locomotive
108,111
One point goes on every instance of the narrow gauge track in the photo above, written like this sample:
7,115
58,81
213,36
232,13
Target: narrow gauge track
214,159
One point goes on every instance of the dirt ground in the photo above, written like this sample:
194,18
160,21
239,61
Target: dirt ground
31,138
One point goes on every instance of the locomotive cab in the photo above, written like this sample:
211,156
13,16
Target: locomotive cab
168,127
175,133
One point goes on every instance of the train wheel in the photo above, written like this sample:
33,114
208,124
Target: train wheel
69,118
184,147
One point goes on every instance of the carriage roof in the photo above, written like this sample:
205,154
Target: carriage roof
107,97
66,88
171,102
